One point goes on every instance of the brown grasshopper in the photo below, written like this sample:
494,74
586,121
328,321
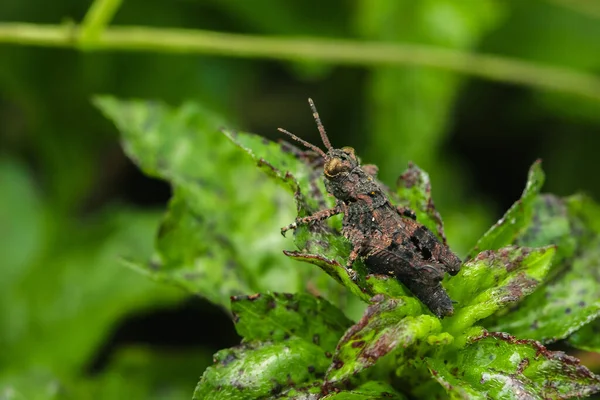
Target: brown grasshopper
387,238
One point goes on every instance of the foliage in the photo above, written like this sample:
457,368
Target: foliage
521,278
65,282
399,80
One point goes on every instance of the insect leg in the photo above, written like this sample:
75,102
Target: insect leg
318,216
351,258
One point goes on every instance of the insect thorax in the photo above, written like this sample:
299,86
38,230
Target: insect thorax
355,186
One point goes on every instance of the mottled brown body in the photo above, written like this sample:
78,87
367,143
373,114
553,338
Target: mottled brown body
389,239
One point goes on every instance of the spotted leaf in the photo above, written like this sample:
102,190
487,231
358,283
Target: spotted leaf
499,366
279,316
387,325
494,279
414,192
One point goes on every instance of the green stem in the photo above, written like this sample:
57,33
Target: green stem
304,49
96,19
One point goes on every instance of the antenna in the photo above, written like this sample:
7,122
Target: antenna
304,142
319,124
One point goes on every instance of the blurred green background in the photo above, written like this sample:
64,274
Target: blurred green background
74,322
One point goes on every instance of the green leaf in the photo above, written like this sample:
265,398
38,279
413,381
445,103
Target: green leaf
78,286
290,165
588,337
258,369
367,391
517,219
301,172
186,255
497,365
386,325
208,242
570,300
494,279
585,219
311,391
278,316
552,223
24,230
291,338
561,307
414,190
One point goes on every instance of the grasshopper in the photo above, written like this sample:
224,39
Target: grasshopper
387,238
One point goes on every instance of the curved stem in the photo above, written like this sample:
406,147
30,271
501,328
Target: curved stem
335,51
96,19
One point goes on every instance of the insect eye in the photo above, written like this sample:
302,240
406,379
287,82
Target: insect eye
335,166
349,151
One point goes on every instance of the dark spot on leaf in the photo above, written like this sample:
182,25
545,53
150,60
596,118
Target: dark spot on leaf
192,276
235,317
522,365
228,359
271,304
311,369
581,304
337,364
358,343
276,388
454,371
316,339
293,306
519,260
328,354
445,362
288,296
534,324
568,310
154,265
